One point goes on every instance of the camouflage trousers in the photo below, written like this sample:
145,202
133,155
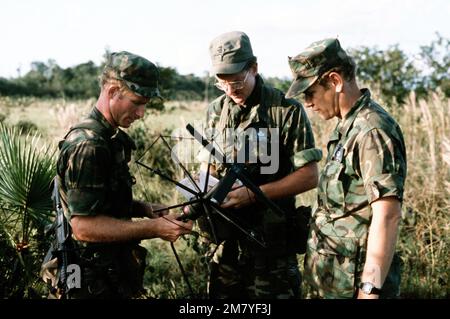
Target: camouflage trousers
333,267
95,285
105,275
237,274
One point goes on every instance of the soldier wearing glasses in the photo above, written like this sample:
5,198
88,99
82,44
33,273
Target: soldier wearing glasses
239,268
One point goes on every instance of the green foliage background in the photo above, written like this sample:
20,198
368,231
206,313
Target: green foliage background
392,70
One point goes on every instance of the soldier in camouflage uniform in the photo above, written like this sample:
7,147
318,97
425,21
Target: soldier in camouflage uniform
95,185
354,228
240,268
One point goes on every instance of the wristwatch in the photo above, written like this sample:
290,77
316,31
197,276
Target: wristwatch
369,288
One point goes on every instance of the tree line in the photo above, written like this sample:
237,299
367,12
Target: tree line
391,72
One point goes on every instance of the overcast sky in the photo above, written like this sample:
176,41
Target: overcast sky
177,33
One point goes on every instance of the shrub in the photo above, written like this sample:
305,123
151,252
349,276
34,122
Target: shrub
26,126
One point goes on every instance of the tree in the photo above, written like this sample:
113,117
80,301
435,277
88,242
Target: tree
81,81
390,72
436,57
281,84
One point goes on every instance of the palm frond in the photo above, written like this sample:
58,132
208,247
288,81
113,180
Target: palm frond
27,170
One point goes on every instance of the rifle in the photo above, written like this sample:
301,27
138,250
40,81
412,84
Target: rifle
62,231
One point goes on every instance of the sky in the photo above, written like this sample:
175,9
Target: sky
176,33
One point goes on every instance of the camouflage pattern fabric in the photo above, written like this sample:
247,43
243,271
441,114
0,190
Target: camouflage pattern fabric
366,161
93,167
287,115
237,275
318,58
246,268
113,272
139,74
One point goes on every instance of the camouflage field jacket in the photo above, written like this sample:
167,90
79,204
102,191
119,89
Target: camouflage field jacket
366,161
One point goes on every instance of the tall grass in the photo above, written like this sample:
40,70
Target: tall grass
424,236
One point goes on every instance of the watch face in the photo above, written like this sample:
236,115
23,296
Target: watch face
367,288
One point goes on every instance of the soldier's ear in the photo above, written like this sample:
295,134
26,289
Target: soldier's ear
254,68
113,90
337,81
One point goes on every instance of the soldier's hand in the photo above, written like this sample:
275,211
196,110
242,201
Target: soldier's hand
159,210
171,228
239,197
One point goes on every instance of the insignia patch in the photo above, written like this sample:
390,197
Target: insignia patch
338,154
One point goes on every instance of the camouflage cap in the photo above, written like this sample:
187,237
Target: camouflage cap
139,74
314,61
230,52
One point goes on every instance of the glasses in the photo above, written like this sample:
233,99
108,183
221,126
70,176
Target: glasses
235,85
